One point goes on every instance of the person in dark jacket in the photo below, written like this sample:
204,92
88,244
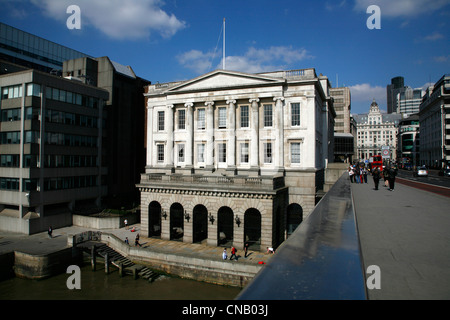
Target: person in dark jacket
376,177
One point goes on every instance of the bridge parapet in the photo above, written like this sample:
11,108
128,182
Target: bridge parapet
320,260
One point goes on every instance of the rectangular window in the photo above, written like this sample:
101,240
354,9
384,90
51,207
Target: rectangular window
181,119
181,153
201,119
201,152
244,152
295,114
267,115
160,120
222,152
222,117
160,149
244,117
295,152
268,152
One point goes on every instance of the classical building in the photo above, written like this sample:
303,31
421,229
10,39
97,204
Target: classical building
434,119
51,137
235,157
376,131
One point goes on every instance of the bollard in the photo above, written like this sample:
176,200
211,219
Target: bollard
93,258
121,269
135,273
106,264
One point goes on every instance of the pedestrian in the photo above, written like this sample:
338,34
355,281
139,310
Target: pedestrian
391,179
233,253
50,232
224,254
385,176
126,240
351,174
136,241
357,174
246,249
126,224
376,177
364,171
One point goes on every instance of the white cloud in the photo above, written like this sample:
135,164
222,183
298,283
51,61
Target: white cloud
363,94
253,61
120,19
402,8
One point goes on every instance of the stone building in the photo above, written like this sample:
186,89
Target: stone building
235,157
375,131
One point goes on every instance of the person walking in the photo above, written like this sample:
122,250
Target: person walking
351,174
386,176
391,179
245,249
376,177
233,253
50,232
224,254
136,241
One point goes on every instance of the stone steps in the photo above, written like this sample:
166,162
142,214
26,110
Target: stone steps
120,261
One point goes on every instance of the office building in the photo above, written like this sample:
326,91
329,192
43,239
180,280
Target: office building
402,99
51,134
343,138
434,119
235,158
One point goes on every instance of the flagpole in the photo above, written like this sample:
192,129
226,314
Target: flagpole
223,58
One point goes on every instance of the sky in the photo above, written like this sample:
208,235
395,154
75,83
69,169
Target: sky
351,42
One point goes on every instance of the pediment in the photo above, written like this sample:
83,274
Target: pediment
224,79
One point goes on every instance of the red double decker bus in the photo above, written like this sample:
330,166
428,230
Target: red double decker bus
377,162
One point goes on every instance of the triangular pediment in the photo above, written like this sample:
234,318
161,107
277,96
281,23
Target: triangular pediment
224,79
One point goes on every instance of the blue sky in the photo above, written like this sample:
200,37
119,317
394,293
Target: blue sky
175,40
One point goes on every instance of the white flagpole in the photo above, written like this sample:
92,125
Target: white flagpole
223,58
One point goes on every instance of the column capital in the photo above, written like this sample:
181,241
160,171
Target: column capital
253,100
278,99
188,104
170,106
232,101
209,103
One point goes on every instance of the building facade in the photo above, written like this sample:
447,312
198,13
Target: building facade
402,99
50,149
376,131
235,157
434,119
343,137
408,142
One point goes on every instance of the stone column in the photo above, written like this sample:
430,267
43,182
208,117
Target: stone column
254,144
231,125
189,133
169,162
149,136
209,134
279,131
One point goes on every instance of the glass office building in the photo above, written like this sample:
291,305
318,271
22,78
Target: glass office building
25,49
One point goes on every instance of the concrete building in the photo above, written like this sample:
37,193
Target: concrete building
434,119
402,99
50,148
124,145
376,130
343,137
235,157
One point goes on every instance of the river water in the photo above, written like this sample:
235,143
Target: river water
96,285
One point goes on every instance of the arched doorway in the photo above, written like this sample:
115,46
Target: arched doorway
176,222
200,223
294,217
154,220
252,228
225,226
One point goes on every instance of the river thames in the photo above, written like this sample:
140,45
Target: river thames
100,286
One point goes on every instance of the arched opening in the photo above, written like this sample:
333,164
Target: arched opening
176,222
252,228
294,217
200,223
225,227
154,220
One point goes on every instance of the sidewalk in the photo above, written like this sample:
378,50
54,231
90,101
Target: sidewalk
41,244
406,232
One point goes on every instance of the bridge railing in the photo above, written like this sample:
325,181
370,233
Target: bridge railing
321,260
